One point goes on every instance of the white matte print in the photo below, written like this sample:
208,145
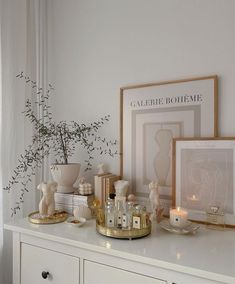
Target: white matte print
207,178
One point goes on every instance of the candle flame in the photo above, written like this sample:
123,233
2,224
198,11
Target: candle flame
178,209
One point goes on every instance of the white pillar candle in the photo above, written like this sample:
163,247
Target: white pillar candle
178,217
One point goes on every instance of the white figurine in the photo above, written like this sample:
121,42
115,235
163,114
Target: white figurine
101,169
154,198
47,203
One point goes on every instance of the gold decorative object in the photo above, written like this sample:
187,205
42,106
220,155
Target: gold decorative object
57,217
123,234
96,204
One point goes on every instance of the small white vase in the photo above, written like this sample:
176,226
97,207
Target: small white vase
65,176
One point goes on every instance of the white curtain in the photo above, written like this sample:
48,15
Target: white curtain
1,202
20,49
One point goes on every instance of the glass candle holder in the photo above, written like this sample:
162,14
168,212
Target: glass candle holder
178,217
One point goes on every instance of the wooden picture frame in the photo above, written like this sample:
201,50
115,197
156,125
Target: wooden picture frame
170,109
204,176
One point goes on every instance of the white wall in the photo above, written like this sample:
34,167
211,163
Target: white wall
95,47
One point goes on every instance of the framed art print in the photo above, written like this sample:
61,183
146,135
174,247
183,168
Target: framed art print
151,116
204,176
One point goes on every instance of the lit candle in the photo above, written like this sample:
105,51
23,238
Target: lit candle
178,217
193,198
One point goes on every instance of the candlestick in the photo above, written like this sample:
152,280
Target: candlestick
178,217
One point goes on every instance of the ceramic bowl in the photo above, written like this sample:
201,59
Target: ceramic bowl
76,222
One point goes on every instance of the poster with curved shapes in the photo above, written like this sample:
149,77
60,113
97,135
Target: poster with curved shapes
151,116
204,176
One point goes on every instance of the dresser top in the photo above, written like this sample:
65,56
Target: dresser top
208,253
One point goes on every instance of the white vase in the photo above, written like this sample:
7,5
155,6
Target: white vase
65,176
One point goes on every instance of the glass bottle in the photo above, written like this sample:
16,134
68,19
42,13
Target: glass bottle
119,213
144,217
124,218
136,219
130,211
109,215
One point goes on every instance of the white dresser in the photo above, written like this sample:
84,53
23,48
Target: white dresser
63,254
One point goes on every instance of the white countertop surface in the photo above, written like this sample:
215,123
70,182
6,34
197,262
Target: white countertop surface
208,253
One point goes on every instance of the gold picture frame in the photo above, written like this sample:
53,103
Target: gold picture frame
204,176
187,107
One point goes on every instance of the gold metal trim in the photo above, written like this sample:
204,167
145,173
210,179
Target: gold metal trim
58,217
123,234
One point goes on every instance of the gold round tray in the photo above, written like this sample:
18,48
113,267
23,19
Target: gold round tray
57,217
123,234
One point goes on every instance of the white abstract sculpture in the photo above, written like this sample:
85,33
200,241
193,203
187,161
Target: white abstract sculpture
47,203
154,198
121,187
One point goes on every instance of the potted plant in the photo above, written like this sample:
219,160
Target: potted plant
59,139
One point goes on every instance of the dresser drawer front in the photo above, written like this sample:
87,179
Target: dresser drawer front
41,266
99,273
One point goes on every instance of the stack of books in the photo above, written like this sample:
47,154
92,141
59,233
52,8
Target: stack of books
104,185
68,201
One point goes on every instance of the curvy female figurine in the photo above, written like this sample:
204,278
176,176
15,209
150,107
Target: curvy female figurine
47,203
155,201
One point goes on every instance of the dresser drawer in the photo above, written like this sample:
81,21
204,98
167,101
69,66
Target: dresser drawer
41,266
99,273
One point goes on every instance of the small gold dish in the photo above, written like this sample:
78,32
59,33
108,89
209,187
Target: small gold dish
123,234
57,217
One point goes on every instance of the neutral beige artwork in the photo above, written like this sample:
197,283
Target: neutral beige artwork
162,160
157,148
207,179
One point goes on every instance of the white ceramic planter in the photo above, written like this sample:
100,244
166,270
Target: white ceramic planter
65,176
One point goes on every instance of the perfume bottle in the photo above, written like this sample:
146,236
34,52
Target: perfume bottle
119,213
130,211
136,220
124,218
143,217
109,215
215,217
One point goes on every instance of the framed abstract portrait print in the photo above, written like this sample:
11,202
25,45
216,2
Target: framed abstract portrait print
204,176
